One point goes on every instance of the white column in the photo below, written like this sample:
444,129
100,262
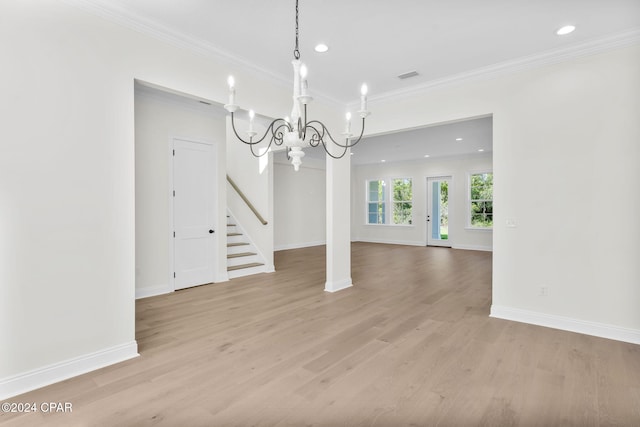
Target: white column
338,224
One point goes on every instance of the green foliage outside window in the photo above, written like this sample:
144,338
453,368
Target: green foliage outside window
376,205
481,198
402,201
389,201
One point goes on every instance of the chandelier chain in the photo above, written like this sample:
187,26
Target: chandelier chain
296,51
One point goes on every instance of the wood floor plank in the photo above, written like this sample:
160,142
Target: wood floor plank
411,343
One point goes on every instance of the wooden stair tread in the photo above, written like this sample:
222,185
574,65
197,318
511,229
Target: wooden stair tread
241,266
241,254
237,244
234,234
231,225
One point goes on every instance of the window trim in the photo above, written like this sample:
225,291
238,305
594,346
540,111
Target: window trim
468,225
367,201
388,202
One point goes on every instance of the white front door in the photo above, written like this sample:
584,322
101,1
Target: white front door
193,213
438,211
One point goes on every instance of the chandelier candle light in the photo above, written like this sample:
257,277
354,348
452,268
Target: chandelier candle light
298,132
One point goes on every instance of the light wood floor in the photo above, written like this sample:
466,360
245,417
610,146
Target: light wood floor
410,344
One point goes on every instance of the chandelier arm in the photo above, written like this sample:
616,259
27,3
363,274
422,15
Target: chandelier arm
308,124
274,133
326,131
265,151
344,150
359,137
316,136
233,126
277,135
303,128
347,145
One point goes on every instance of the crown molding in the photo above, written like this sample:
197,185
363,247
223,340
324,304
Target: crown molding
550,57
108,11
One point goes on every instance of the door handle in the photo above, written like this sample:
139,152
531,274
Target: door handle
211,231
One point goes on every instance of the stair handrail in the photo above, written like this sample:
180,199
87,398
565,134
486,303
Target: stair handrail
243,197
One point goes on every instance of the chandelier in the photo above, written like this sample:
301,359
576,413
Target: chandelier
297,132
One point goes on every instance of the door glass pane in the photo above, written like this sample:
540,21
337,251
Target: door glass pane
435,209
444,210
440,210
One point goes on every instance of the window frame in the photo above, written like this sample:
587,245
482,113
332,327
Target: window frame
393,202
368,201
470,201
388,202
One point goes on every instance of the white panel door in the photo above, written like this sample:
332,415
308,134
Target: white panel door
193,213
438,211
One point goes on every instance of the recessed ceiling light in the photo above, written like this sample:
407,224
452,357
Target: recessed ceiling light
351,154
321,48
481,149
383,161
565,30
458,139
426,155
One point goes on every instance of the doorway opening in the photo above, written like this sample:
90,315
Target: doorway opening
438,207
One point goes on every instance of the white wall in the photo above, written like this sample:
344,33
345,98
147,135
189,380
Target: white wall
565,138
416,234
299,204
254,177
158,119
67,181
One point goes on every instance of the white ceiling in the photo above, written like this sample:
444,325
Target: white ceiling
434,141
376,40
373,41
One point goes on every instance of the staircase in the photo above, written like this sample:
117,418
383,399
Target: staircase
243,259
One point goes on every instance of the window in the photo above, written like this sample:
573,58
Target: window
389,207
375,201
402,201
481,200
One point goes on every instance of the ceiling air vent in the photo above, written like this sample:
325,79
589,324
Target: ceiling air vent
408,75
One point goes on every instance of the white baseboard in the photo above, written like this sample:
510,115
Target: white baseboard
152,291
299,245
338,285
473,248
22,383
415,243
391,242
567,324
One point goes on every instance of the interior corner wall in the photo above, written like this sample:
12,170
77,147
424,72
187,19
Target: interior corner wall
159,119
254,177
457,167
565,154
299,205
67,181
